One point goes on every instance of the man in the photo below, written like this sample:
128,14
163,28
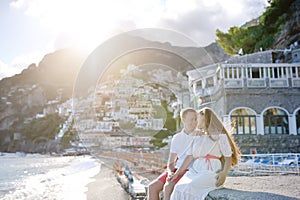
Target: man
179,145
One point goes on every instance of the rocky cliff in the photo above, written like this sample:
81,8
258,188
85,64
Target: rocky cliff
290,32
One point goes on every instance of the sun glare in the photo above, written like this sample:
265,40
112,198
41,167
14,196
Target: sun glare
82,22
86,24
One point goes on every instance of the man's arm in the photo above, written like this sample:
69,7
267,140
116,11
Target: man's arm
172,162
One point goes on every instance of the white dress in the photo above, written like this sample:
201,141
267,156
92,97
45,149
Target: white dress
201,177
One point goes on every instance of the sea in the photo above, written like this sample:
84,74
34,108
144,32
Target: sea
35,176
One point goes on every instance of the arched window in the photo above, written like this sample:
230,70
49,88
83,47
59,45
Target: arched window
244,121
276,121
298,122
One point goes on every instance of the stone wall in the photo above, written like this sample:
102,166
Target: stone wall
258,57
268,143
260,99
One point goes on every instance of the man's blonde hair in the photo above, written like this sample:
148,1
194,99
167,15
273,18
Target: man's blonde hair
184,111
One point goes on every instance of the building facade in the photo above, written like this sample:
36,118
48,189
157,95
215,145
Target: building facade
257,94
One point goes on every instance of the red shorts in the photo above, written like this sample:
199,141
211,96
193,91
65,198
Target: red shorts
163,176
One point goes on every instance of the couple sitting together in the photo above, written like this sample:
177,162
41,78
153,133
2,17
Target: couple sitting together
200,157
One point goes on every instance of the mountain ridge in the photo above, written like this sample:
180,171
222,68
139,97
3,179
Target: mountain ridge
41,87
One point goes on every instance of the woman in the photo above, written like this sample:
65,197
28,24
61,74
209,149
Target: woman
212,155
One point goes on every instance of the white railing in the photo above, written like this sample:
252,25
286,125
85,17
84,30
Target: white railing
274,74
233,83
278,82
256,82
265,164
296,82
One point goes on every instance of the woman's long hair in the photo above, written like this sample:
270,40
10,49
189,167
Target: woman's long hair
212,121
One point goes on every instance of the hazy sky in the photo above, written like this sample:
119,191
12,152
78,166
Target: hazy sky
32,28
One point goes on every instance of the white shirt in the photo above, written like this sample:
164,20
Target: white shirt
180,144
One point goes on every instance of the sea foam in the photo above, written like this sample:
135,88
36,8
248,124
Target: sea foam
45,177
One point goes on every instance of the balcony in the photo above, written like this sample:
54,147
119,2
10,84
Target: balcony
283,82
250,75
295,82
260,75
233,83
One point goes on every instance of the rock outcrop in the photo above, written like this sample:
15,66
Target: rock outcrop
290,32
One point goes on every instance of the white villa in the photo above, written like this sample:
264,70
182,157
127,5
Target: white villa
260,92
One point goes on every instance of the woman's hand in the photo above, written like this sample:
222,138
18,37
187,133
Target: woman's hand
170,174
172,177
221,177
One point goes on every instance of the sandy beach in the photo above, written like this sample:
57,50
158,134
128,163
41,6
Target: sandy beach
275,187
106,187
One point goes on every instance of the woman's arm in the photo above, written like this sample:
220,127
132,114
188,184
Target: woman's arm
221,177
186,163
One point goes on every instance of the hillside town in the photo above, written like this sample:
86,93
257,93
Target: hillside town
93,97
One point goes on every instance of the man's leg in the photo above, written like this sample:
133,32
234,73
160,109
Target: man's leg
154,189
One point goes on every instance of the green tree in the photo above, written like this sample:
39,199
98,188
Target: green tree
69,135
47,127
253,37
170,126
